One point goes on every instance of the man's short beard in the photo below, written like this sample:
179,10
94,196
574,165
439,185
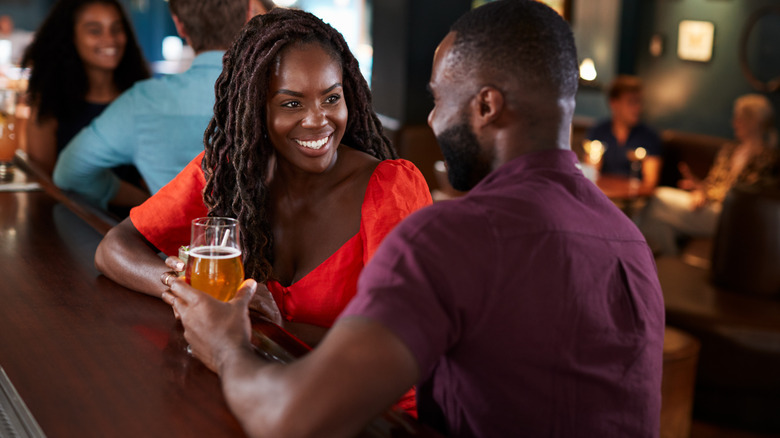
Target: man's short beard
466,162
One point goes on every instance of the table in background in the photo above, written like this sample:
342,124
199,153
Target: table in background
627,193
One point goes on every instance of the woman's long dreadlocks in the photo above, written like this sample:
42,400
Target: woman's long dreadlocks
238,149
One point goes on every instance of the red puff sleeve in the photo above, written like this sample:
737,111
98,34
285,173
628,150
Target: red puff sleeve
165,218
397,189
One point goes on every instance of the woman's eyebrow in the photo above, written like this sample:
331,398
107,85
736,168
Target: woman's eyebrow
299,94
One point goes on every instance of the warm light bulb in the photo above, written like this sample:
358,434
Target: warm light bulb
588,70
640,153
595,149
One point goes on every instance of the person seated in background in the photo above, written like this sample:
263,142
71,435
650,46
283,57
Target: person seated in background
84,56
693,209
296,153
624,133
18,38
528,307
158,124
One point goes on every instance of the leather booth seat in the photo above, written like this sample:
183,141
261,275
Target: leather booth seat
698,151
746,254
733,309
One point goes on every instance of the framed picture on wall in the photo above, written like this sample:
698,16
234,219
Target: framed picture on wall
695,40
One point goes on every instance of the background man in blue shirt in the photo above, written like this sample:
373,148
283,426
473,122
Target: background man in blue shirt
624,133
158,124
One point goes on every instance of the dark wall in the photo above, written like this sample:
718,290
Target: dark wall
696,96
685,95
405,35
152,23
27,14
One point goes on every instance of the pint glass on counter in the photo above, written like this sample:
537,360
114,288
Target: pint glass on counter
8,132
214,258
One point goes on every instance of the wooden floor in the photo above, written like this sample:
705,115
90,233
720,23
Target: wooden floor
705,430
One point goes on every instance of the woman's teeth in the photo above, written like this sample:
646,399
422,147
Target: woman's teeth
109,51
315,144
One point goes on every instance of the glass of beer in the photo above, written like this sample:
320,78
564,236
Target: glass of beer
8,132
214,257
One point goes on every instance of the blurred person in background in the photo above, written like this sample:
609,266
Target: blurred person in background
18,38
622,134
84,56
693,209
158,124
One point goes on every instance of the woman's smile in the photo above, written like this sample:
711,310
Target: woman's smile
313,144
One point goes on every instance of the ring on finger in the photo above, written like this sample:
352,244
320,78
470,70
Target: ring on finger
166,276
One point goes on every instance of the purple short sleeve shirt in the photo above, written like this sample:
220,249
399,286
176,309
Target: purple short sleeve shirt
532,306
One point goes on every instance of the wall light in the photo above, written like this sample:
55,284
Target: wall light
588,70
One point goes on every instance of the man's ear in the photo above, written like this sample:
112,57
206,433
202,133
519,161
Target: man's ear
487,106
180,28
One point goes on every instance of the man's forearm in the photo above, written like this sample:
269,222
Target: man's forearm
253,395
84,167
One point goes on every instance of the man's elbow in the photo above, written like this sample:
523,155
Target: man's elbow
62,178
95,186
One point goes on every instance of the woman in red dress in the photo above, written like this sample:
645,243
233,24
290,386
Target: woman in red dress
296,153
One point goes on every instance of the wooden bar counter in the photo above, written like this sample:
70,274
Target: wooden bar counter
89,357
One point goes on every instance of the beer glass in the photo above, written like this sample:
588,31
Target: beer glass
8,132
214,257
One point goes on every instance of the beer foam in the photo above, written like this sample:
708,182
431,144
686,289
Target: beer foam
215,252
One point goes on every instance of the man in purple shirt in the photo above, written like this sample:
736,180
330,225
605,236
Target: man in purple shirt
529,307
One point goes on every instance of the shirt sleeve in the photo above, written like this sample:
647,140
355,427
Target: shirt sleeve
396,189
84,166
165,218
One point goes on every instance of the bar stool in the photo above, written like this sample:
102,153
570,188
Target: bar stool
681,354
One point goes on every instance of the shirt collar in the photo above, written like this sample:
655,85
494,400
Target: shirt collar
557,159
209,58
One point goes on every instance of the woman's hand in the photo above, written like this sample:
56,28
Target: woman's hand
177,269
176,264
688,181
264,302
